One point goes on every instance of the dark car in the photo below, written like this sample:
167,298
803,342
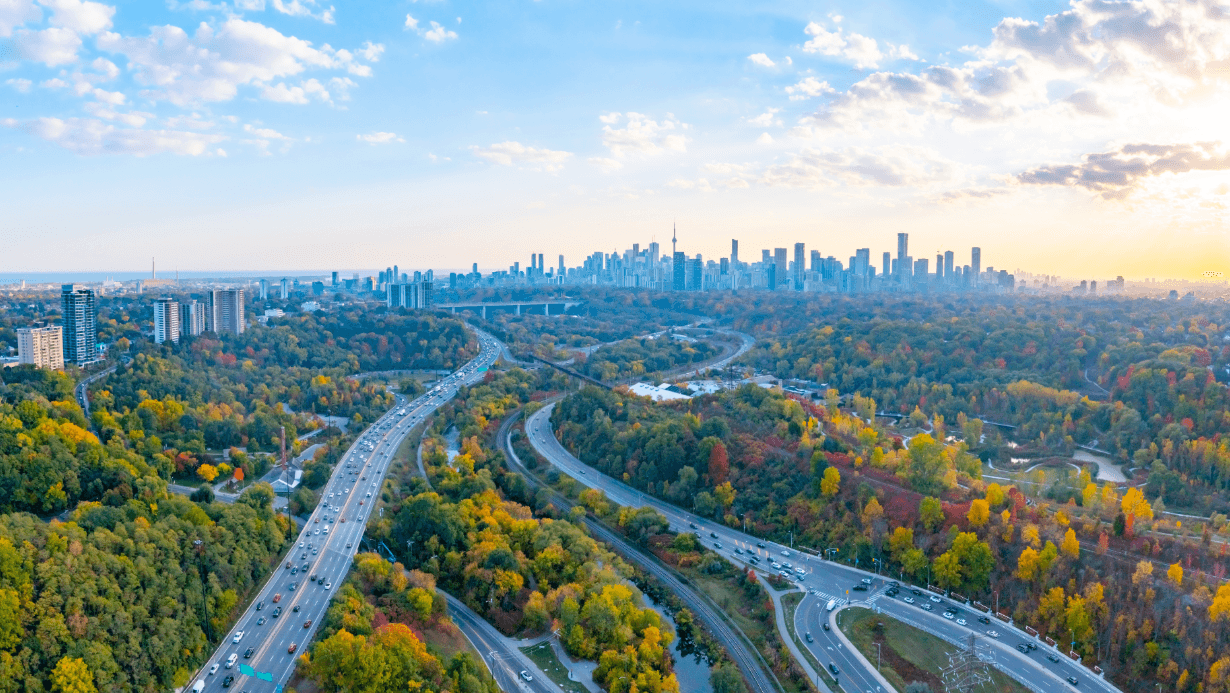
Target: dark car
277,612
760,544
293,585
713,535
983,619
825,625
833,668
296,609
859,587
226,682
808,636
260,605
247,654
1023,648
1072,680
1053,658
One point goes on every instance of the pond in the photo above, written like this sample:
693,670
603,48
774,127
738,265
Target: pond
691,667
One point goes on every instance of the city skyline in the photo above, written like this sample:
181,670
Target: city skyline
1079,139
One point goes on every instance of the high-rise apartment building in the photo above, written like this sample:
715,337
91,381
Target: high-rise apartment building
779,259
817,261
264,289
80,325
226,311
862,261
285,288
41,346
948,269
939,266
192,320
734,253
886,269
679,272
413,296
335,279
903,247
166,320
975,263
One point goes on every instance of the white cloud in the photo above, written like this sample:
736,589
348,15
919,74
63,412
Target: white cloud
607,165
91,137
1115,174
371,52
888,166
105,68
808,87
762,60
81,16
52,46
610,118
380,138
765,138
212,64
14,13
19,84
301,94
766,119
436,34
295,8
862,51
641,135
517,154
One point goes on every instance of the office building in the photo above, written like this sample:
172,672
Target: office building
782,265
975,257
799,266
41,346
166,320
192,320
903,247
80,325
226,311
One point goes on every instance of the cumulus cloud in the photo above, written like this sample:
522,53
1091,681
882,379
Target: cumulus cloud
296,8
19,84
52,46
808,87
517,154
81,16
215,62
862,51
435,33
884,166
606,164
91,136
767,119
14,13
1115,174
642,135
762,60
380,138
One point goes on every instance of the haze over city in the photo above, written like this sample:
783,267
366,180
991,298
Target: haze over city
1079,139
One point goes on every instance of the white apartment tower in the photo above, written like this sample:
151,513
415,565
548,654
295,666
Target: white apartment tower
41,346
166,320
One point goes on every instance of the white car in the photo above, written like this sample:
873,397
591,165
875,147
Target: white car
948,615
525,675
993,634
785,553
909,600
238,637
214,669
960,621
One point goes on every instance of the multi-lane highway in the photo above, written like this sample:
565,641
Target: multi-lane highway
260,651
827,581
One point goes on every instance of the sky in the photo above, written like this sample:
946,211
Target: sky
1082,139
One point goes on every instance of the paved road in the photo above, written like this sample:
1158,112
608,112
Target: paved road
502,657
825,580
83,388
292,603
738,648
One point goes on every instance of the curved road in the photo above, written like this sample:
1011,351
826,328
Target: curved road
293,602
736,646
828,581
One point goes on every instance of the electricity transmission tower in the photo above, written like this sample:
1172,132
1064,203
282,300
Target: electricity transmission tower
967,670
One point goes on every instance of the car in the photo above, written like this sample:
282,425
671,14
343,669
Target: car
908,600
916,592
300,544
926,607
260,621
296,609
866,581
859,588
288,564
717,545
960,622
525,676
317,520
238,636
1023,648
984,620
1053,658
294,571
809,638
213,669
247,654
693,525
293,585
786,553
226,682
328,585
312,579
315,551
825,625
316,532
760,544
277,612
934,598
993,634
307,623
1031,646
347,543
948,615
833,669
738,551
712,535
230,661
291,649
344,522
1072,680
788,565
304,568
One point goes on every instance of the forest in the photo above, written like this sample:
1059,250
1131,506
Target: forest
632,358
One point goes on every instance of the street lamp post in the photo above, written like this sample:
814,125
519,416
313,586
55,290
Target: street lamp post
877,656
997,601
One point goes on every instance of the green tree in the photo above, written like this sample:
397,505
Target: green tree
931,511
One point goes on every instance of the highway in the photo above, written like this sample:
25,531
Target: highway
294,600
505,662
738,647
829,581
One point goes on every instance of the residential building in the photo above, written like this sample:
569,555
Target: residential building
413,295
41,346
80,325
192,318
226,311
166,320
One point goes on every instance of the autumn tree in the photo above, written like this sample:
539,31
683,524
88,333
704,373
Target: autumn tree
719,464
831,481
72,675
1175,575
1070,546
931,510
979,513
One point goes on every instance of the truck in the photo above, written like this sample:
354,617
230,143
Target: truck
198,686
831,605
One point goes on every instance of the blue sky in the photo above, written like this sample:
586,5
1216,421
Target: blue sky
1077,139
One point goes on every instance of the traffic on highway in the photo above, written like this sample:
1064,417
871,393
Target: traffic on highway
830,585
259,653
